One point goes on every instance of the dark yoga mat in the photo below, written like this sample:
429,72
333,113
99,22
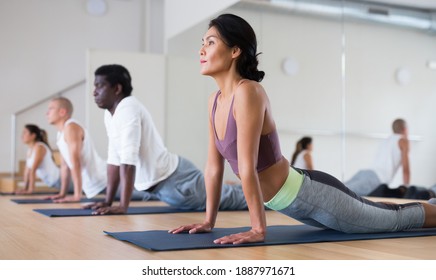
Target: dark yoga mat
161,240
30,194
42,201
131,211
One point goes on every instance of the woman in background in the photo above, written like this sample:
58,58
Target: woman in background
302,157
39,160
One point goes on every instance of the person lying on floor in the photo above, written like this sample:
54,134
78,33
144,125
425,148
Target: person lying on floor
409,192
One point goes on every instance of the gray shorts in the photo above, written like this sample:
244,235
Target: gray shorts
323,201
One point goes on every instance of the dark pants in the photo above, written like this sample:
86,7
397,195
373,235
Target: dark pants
411,192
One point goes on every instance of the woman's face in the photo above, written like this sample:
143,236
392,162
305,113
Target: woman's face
27,137
310,147
215,55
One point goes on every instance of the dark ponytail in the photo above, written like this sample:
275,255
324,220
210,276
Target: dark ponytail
301,145
235,31
40,134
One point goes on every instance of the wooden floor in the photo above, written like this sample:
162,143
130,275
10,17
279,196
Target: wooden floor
25,234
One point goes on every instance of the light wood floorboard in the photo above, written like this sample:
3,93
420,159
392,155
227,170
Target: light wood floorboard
25,234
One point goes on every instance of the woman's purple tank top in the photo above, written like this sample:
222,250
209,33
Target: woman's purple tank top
269,147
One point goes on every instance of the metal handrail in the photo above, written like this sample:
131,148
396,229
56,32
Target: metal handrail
26,109
320,132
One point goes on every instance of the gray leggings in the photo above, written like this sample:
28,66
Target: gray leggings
323,201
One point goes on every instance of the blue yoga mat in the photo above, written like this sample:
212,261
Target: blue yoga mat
30,194
161,240
43,201
131,211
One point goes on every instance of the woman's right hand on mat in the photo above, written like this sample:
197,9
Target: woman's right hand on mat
251,236
23,192
193,228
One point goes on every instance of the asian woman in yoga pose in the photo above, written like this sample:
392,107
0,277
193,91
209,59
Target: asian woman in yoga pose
243,132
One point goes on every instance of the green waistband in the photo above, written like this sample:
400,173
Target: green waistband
288,192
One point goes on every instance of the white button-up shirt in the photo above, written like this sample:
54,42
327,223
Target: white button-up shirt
134,140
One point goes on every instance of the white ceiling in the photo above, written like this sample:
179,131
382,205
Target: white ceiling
421,4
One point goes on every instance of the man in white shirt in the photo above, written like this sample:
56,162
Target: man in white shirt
80,162
392,154
137,157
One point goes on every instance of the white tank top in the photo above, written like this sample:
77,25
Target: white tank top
388,158
93,167
300,162
47,170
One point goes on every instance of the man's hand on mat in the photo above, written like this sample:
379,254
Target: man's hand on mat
96,205
54,197
67,199
23,192
243,237
193,228
110,210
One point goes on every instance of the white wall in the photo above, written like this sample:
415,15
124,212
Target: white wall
181,15
187,116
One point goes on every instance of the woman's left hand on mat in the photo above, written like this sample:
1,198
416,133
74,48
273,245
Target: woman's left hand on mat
193,228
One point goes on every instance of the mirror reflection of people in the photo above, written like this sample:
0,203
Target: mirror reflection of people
302,156
392,154
39,160
242,130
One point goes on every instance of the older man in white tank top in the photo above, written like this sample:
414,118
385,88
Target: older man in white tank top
79,158
391,155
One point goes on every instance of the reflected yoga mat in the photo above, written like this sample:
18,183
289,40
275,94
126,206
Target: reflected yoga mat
161,240
131,211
